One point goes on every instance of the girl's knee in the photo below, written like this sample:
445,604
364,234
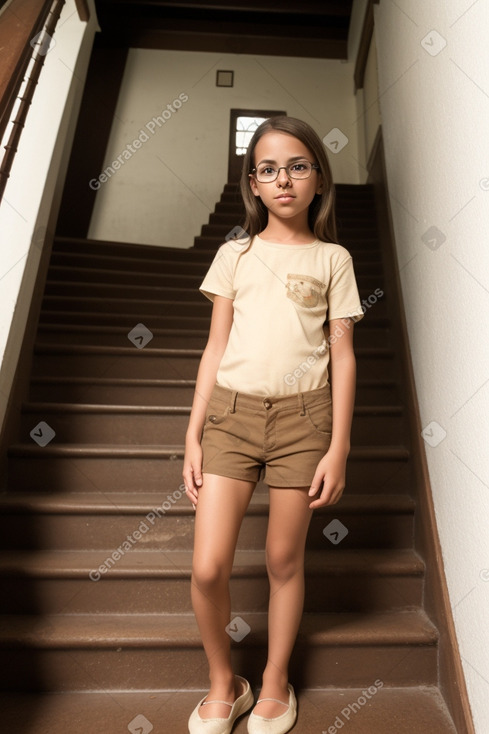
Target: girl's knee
210,574
284,563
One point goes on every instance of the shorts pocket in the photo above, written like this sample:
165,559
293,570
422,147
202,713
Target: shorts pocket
320,417
216,413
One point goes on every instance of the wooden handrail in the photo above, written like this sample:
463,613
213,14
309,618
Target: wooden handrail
20,23
364,48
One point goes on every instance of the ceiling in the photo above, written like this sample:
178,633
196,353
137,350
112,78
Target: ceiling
307,28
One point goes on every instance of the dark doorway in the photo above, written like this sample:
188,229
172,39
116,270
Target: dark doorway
243,124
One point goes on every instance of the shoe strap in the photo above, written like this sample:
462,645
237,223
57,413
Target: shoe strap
205,703
260,700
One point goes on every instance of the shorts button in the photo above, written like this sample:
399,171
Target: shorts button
267,403
212,418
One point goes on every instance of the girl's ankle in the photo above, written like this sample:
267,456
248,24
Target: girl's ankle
225,683
275,679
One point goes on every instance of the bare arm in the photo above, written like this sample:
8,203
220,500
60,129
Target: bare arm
222,319
331,469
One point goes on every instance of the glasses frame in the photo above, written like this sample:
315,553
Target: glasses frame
314,166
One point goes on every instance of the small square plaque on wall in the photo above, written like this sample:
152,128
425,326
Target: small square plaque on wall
224,78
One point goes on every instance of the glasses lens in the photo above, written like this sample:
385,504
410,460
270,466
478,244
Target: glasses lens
265,173
300,169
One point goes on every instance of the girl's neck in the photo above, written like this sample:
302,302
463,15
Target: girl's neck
287,232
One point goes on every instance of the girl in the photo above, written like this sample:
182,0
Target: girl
263,401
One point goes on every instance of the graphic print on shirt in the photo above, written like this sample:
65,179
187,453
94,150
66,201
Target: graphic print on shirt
304,289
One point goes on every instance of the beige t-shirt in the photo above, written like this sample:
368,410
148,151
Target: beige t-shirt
282,296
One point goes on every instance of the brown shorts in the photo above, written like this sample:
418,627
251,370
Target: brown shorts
285,436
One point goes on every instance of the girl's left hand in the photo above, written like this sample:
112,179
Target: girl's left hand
331,474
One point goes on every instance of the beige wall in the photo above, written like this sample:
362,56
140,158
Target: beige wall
163,192
434,84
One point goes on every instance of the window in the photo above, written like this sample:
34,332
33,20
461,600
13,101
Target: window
245,127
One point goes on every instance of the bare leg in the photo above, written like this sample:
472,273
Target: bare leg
220,508
287,531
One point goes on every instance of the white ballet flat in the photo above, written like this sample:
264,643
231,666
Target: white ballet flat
197,725
279,724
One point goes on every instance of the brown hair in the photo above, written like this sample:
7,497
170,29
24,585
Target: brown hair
321,215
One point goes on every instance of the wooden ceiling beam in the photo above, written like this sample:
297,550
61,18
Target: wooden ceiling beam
312,29
327,8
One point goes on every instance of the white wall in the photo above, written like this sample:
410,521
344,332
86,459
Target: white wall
36,177
371,119
367,98
165,191
358,10
435,112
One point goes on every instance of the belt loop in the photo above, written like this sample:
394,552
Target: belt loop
302,404
233,401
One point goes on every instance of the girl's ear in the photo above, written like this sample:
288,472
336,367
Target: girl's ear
319,187
253,185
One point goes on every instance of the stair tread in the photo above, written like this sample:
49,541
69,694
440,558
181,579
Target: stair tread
372,323
53,348
72,631
157,451
47,408
178,563
112,244
163,382
401,710
47,348
118,503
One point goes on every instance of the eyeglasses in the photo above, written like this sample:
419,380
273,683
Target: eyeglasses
265,173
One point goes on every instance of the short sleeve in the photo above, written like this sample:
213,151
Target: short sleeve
219,278
343,296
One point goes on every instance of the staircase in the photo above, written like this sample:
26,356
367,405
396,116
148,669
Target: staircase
96,533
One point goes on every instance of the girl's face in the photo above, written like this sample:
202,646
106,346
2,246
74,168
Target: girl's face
286,197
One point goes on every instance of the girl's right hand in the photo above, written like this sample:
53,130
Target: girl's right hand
192,470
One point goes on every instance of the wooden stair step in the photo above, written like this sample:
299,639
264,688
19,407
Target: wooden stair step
107,255
74,651
183,321
152,274
130,287
126,249
102,361
145,424
108,468
120,503
185,294
67,261
150,581
72,269
136,391
181,333
140,308
160,300
99,520
403,710
182,315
